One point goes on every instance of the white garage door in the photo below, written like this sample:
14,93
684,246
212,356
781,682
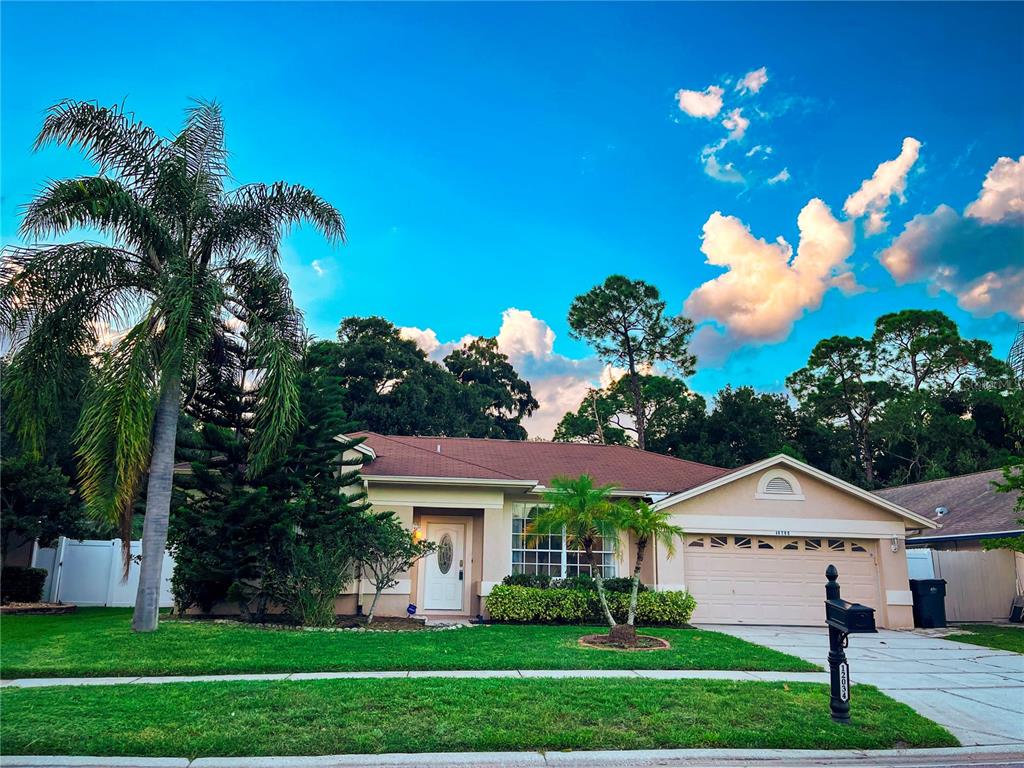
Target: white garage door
775,580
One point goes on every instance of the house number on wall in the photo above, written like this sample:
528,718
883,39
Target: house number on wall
844,681
782,533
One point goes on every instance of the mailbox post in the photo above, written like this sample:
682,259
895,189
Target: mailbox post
843,618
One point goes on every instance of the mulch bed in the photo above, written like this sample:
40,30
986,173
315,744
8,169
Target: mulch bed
643,643
51,609
341,623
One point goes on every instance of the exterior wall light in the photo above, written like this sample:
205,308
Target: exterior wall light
417,534
895,546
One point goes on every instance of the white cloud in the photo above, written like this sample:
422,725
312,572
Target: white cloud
727,172
759,149
765,288
1002,192
523,335
888,180
752,82
705,104
780,177
318,268
558,382
976,257
736,124
426,339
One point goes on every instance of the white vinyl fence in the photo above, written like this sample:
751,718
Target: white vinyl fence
89,573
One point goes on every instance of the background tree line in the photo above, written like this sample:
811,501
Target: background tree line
914,401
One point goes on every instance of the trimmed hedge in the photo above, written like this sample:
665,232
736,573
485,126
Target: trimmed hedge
21,585
511,603
583,581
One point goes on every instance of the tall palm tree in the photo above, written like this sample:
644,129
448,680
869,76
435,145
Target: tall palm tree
646,524
185,262
586,513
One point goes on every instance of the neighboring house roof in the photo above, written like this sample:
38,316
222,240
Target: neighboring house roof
782,460
520,462
974,506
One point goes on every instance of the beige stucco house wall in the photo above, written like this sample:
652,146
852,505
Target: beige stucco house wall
868,532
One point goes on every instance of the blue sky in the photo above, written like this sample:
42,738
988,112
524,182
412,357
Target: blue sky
510,156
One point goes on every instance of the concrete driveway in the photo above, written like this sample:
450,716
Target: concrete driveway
977,693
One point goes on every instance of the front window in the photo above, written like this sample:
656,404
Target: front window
534,553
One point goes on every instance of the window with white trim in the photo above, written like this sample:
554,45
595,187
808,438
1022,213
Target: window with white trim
548,554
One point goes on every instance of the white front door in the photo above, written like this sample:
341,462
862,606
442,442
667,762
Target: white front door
445,567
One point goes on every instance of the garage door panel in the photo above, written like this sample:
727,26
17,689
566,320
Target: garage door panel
767,584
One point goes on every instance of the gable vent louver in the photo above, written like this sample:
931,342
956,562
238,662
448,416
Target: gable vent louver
778,485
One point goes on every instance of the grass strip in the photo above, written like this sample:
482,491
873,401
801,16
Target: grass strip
999,636
99,642
448,715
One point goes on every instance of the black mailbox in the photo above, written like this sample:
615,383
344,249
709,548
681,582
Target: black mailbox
849,617
843,618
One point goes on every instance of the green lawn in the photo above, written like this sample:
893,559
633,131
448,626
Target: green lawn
435,714
998,636
99,642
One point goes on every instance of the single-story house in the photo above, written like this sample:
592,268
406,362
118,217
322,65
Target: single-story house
758,538
968,507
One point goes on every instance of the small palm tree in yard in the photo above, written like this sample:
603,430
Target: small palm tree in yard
188,262
587,514
645,524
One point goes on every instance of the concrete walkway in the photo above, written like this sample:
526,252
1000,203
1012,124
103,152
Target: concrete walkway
975,692
975,757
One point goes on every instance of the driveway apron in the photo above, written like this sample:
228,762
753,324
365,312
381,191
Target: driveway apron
975,692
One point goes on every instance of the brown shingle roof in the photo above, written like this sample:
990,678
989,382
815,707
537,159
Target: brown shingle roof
974,504
467,457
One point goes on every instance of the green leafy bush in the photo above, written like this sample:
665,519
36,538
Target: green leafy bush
654,608
513,603
582,581
21,585
538,580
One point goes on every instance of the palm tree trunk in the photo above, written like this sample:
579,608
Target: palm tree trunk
641,548
595,569
158,506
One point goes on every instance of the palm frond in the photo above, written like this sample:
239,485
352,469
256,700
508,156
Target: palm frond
99,202
256,215
111,138
83,282
38,374
276,338
115,430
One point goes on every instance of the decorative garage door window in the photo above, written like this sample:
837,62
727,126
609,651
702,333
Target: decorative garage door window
550,554
444,554
751,542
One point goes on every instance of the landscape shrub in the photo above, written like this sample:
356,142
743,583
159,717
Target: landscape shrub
654,608
21,585
514,603
539,580
581,581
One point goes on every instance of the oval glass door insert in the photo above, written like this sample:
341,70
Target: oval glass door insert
445,550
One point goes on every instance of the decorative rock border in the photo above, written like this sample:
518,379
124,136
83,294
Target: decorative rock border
37,609
589,641
297,628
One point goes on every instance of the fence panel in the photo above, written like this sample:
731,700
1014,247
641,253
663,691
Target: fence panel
89,573
980,586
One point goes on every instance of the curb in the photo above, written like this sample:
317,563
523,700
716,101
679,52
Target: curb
689,758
